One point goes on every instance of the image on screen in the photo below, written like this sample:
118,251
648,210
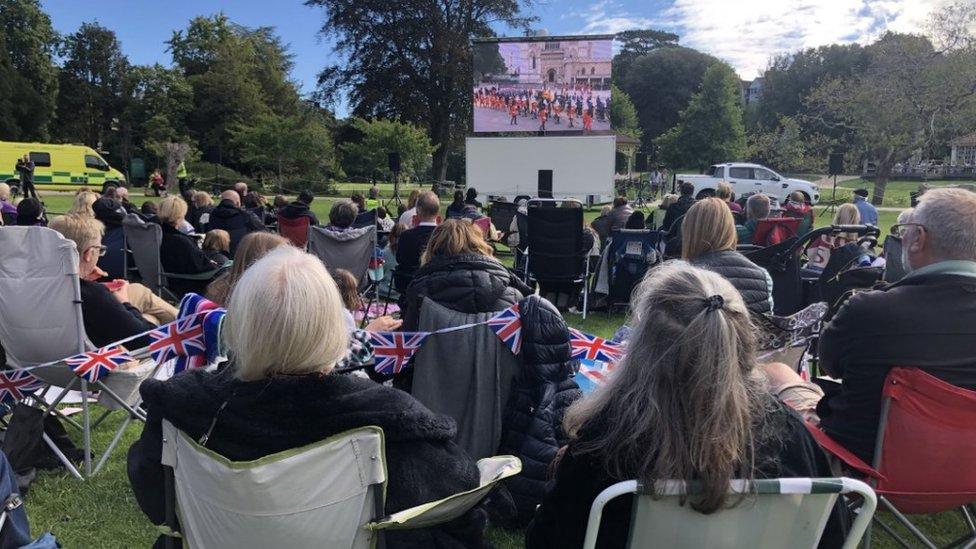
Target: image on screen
553,85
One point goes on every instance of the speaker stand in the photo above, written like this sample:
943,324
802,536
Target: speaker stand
832,206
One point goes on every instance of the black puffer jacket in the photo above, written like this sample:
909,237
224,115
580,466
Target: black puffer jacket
752,281
467,283
235,221
544,389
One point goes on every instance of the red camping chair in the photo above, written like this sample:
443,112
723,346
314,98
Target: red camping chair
923,458
484,223
773,230
295,230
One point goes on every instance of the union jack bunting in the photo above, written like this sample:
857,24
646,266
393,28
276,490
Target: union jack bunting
16,384
507,325
182,337
393,350
592,374
589,347
93,365
194,303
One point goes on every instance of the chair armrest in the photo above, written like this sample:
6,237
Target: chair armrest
195,276
835,449
492,471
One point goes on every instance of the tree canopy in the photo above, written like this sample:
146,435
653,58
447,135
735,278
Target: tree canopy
29,88
366,154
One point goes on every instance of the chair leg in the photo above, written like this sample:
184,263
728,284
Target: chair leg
100,419
907,523
888,530
86,432
61,457
111,447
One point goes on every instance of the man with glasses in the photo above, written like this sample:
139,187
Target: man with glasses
926,320
111,310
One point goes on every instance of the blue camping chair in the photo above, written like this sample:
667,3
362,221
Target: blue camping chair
631,252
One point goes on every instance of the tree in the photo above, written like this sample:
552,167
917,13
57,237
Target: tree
288,146
367,156
623,114
411,60
238,75
788,148
90,84
486,60
637,43
28,46
912,90
710,129
157,101
661,83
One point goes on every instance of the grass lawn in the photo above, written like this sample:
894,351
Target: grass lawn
102,512
896,193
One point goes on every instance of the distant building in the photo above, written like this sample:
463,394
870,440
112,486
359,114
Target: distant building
566,63
752,90
963,150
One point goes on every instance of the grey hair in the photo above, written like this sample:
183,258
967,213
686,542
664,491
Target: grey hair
343,213
905,216
685,400
757,207
285,316
949,218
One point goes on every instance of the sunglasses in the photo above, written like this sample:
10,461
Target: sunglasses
901,228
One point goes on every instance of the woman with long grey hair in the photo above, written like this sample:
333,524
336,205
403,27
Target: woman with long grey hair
687,402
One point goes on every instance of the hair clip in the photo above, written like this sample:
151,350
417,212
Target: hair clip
714,303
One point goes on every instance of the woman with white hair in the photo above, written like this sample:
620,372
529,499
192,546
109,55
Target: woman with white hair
286,330
686,403
7,209
178,252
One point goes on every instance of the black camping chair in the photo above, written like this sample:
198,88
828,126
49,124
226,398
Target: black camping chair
365,219
791,290
556,251
502,214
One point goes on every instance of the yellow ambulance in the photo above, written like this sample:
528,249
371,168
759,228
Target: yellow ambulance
60,167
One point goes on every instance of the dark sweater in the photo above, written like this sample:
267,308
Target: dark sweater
298,209
789,451
180,254
925,321
235,221
285,412
752,281
411,245
108,320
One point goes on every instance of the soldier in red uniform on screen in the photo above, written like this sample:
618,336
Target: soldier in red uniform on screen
587,120
513,113
543,115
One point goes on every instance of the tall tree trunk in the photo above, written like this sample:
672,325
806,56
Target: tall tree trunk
440,134
881,178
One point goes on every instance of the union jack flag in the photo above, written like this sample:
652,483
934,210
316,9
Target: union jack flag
393,350
589,347
507,325
182,337
592,374
93,365
16,384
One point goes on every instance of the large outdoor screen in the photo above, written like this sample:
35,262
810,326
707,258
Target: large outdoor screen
550,85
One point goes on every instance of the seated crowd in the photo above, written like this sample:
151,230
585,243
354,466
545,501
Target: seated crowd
690,400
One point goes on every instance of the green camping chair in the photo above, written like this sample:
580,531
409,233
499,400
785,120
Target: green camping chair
327,494
786,512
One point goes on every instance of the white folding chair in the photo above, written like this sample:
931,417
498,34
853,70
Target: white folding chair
41,322
785,512
326,494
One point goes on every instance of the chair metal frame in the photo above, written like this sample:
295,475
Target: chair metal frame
162,277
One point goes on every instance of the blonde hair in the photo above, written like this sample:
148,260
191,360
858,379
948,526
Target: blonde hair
172,209
83,230
251,248
287,318
453,237
668,199
348,289
675,408
412,198
217,240
757,207
201,199
82,204
4,192
707,227
847,214
724,191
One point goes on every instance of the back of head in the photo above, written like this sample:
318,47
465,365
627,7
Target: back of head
458,197
797,196
217,240
707,227
305,197
232,196
251,248
343,214
412,198
285,317
280,201
847,214
82,204
723,191
108,211
757,207
172,210
253,199
241,189
201,199
605,210
949,220
111,191
619,201
83,230
4,192
472,194
635,221
668,199
30,211
686,188
676,408
149,208
453,237
428,205
348,288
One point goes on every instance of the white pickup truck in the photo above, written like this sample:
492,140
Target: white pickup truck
750,179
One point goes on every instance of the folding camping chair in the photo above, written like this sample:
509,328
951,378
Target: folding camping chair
502,214
555,251
351,250
144,241
365,219
786,338
784,512
630,253
41,321
295,230
926,431
326,494
773,230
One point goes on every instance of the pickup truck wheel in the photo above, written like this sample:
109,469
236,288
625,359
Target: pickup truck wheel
705,193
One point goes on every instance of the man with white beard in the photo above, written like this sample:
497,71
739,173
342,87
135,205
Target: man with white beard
926,320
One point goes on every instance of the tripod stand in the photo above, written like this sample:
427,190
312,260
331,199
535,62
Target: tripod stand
832,205
395,199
